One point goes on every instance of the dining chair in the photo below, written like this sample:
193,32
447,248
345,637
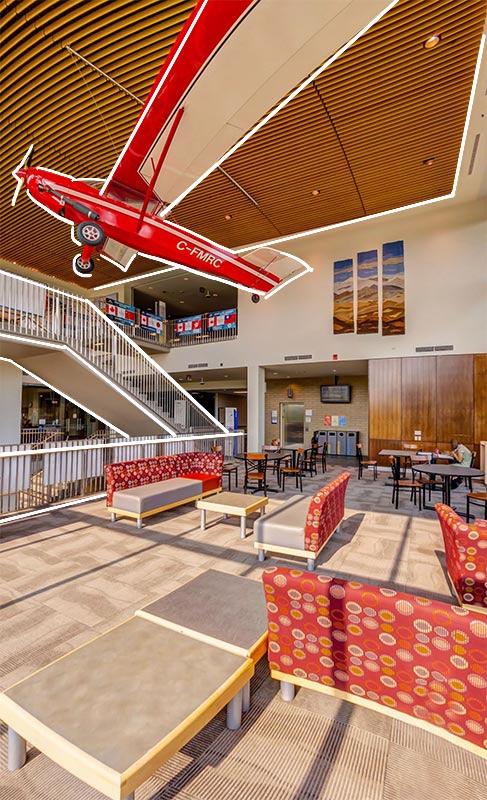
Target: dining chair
255,472
398,484
309,459
228,469
476,499
363,463
468,481
434,483
296,471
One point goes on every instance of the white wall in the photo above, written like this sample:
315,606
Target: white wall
446,294
10,403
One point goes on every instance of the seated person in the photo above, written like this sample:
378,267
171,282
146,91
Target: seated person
462,456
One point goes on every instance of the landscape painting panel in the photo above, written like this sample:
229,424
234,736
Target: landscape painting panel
393,300
343,296
367,292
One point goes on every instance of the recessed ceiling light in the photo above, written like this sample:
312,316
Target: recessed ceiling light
275,373
181,302
432,41
225,376
315,192
228,216
185,279
428,162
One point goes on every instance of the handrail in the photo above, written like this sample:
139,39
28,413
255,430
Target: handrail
44,313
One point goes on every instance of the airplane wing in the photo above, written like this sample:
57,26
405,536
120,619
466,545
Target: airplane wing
233,61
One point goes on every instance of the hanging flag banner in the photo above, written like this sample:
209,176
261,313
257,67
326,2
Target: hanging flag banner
188,325
120,312
151,322
222,320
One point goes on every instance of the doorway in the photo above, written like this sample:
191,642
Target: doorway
291,423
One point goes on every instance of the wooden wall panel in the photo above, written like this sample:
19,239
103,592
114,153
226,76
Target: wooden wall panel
418,394
454,398
480,398
385,399
376,445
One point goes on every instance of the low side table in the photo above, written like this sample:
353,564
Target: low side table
231,504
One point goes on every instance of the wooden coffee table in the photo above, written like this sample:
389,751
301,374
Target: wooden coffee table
114,710
232,504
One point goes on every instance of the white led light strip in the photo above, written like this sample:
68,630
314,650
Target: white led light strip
278,108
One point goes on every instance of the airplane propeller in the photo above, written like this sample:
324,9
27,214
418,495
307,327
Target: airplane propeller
24,165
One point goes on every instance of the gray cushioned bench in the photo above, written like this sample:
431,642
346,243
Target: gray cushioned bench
141,501
303,525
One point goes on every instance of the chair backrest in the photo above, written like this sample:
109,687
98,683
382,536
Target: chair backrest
420,459
474,456
360,455
255,462
216,448
396,472
410,446
276,442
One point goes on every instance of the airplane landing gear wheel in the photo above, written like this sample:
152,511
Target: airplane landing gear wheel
255,298
90,233
83,268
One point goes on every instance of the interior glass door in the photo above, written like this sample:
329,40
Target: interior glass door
292,423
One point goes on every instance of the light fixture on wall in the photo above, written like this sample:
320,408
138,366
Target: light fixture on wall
289,392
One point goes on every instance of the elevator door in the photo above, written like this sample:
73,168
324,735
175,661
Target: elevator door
292,423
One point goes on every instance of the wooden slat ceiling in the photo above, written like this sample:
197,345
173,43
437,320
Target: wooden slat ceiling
359,133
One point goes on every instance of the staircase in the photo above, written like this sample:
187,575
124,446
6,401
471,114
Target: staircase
71,346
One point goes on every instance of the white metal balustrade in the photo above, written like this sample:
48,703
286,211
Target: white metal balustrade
207,333
33,313
34,477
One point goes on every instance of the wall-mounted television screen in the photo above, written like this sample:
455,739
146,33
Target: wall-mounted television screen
336,393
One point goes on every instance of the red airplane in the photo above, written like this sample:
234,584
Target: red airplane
223,53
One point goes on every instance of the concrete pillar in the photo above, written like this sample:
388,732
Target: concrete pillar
255,408
10,403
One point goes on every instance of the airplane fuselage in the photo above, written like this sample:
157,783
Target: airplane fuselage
75,202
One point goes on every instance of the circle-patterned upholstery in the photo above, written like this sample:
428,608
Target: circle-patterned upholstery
410,654
466,556
325,512
141,471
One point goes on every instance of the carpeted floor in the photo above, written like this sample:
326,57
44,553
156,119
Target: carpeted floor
69,575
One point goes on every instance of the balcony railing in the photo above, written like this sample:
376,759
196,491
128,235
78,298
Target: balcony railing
37,476
34,311
202,329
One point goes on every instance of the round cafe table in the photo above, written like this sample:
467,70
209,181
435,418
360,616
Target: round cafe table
449,471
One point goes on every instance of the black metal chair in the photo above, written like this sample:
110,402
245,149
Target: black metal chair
398,484
433,483
256,472
309,460
228,469
364,463
296,471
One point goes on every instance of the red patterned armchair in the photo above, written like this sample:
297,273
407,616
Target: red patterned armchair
387,650
301,527
146,486
466,557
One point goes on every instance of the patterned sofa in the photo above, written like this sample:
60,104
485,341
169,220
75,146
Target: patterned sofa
148,485
302,527
387,650
466,557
